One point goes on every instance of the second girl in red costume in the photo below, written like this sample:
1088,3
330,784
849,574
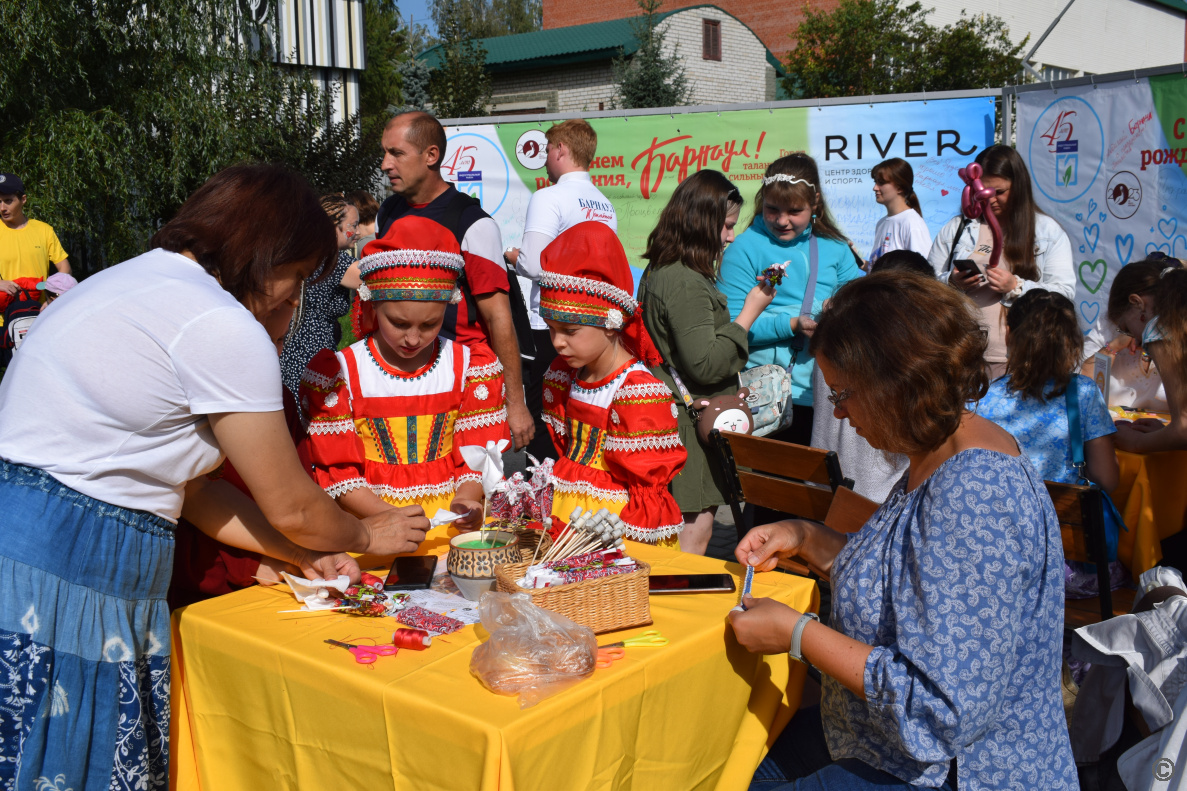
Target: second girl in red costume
613,423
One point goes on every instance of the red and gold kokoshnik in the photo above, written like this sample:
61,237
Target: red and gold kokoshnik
581,300
406,274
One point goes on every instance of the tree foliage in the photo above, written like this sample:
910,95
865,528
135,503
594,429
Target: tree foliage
649,77
867,47
460,86
114,112
381,84
489,18
416,77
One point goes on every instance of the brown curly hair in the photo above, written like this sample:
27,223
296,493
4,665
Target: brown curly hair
1044,343
913,348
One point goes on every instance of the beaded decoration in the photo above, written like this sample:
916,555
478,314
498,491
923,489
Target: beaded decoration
392,372
789,179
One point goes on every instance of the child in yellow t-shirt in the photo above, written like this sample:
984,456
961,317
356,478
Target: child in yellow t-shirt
27,247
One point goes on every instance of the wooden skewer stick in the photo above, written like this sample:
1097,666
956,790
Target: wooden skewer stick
560,537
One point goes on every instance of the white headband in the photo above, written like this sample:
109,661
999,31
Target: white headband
789,179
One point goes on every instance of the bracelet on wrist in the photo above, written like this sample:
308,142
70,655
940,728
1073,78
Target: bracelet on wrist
796,651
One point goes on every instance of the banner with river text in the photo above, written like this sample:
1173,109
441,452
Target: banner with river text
1107,161
641,159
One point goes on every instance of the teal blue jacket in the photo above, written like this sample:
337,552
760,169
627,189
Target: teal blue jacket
770,336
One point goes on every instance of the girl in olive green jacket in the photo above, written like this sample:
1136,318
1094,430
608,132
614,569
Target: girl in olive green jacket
689,321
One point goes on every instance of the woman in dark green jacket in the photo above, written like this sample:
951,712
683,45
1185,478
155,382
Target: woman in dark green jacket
689,320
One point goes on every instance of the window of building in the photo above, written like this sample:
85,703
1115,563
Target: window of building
710,39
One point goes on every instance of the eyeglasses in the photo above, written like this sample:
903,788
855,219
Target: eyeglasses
836,398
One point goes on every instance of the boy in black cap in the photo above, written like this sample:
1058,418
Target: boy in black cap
27,247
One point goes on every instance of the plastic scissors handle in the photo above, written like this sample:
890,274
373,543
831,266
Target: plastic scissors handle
649,639
607,656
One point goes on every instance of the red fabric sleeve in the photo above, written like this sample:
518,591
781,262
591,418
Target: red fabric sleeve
557,380
332,445
483,413
643,452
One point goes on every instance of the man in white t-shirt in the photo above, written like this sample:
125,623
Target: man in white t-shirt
573,199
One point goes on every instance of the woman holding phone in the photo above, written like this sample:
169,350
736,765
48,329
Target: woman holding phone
1036,253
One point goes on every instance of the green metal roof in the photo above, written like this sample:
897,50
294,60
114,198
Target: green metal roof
1177,5
575,44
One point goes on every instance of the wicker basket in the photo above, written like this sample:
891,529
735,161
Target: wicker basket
528,539
603,604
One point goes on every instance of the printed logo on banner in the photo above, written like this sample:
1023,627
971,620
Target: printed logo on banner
1066,129
468,156
532,149
1123,195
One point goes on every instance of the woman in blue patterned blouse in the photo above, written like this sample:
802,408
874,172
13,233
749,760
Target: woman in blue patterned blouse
942,660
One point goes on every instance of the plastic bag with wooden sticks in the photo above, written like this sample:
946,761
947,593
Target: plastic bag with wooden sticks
532,652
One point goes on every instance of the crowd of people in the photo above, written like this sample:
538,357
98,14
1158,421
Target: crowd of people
214,427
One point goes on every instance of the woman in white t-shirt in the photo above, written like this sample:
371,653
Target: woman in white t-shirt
903,227
133,386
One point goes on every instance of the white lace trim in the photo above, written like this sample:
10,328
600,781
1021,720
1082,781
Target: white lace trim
331,426
588,489
470,476
410,257
557,424
342,487
648,442
471,422
653,536
320,380
484,371
644,390
557,375
590,286
481,393
412,492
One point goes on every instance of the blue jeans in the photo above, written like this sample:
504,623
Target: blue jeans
799,761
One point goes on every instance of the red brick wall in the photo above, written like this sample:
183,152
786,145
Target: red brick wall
773,21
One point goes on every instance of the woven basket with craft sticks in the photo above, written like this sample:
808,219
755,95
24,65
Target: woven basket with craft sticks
604,604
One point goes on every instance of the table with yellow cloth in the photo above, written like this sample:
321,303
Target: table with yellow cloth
260,701
1152,499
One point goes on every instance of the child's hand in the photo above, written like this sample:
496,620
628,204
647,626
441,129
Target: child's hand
473,514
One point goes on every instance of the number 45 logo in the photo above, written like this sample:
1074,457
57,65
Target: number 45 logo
1060,131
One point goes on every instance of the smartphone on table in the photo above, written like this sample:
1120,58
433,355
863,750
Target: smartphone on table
690,583
412,572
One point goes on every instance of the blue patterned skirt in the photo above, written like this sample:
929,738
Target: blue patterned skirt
84,639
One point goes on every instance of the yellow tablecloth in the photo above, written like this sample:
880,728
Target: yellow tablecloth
1152,499
259,701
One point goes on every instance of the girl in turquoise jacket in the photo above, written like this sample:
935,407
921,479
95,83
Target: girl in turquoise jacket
788,210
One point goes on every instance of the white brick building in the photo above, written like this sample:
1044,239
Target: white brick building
569,69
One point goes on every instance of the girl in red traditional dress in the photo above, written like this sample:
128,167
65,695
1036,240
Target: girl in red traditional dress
389,414
613,423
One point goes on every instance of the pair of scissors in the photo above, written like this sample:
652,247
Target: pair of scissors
610,653
366,654
649,639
